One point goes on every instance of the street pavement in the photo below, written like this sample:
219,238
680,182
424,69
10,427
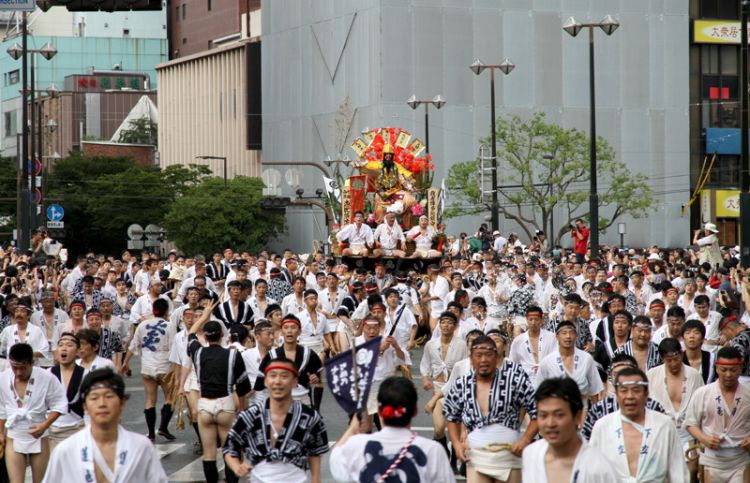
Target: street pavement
183,465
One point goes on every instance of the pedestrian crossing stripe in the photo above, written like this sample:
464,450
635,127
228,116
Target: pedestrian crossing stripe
165,449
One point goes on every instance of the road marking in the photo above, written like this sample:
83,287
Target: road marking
164,449
194,471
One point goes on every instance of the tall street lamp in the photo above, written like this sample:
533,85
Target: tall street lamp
438,101
573,27
220,158
27,214
506,67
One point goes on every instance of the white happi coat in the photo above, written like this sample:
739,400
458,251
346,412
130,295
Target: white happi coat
34,336
584,371
402,333
136,460
364,456
660,456
707,411
521,353
44,393
657,389
432,365
591,466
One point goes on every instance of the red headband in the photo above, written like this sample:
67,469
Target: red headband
282,367
735,362
390,412
724,322
293,321
535,312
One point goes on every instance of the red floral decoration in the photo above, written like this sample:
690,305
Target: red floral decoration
403,156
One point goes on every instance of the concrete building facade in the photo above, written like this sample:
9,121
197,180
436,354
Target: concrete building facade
377,53
209,106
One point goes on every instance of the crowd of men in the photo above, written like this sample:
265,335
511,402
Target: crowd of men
542,364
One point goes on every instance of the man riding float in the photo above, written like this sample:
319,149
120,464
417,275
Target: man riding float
392,188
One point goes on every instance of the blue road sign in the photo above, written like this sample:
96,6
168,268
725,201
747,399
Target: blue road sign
55,213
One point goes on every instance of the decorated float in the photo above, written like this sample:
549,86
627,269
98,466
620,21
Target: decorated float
394,174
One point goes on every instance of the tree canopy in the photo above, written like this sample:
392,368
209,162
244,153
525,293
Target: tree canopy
103,196
547,168
207,217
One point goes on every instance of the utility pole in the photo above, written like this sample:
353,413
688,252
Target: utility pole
22,216
745,169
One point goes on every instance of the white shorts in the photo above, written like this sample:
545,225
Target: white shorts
155,371
154,366
216,406
60,434
357,248
372,398
333,325
422,252
316,347
191,382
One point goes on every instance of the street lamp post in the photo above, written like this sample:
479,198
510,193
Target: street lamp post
27,216
222,158
622,229
550,188
573,27
438,101
506,67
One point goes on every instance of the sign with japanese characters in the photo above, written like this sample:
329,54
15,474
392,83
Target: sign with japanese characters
727,204
716,32
341,378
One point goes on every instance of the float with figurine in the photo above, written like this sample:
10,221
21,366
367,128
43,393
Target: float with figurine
389,209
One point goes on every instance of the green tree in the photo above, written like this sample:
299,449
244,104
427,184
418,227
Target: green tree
141,131
208,217
103,196
549,167
8,191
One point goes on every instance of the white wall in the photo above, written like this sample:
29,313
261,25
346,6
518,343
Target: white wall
396,48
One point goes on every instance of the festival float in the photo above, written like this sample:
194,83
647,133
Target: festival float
402,186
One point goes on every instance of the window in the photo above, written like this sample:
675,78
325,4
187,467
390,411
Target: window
177,14
10,123
726,171
209,5
126,32
719,86
184,10
184,40
12,77
720,9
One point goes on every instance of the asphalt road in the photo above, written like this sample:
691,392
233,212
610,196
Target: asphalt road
183,465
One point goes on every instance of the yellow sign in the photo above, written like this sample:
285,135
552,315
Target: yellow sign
433,201
727,204
716,32
346,206
359,147
403,139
